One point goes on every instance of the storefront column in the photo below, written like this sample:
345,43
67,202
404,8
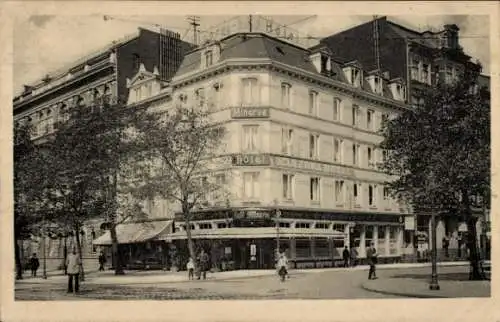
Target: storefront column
387,240
293,251
347,232
362,246
375,236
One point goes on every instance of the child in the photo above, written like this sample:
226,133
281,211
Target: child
190,268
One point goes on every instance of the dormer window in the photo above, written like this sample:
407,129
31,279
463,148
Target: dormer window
354,75
322,62
209,58
398,90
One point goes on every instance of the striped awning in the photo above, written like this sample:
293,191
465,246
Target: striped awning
130,233
256,232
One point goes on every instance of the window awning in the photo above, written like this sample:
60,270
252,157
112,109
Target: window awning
129,233
256,232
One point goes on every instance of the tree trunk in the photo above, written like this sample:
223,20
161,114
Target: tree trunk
187,220
19,265
79,246
475,271
117,262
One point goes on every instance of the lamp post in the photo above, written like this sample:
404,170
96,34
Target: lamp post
434,285
44,231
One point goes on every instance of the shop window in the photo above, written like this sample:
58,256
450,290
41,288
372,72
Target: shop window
222,225
303,248
381,240
368,235
393,242
338,243
322,248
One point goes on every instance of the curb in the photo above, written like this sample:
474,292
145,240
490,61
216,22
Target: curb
420,296
228,278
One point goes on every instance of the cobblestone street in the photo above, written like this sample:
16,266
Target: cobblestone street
346,284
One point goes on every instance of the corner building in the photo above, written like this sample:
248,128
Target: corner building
301,151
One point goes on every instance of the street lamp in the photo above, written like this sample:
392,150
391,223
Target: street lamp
434,285
44,231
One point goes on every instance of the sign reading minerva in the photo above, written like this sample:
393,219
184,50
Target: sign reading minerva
250,112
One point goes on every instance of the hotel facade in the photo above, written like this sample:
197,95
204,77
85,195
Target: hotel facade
300,158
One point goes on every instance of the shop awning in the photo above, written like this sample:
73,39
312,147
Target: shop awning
129,233
257,232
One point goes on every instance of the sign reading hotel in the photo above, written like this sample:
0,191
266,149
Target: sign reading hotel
250,112
251,160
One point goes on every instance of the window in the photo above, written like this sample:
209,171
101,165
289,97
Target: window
321,225
377,85
251,185
355,152
220,184
287,183
136,61
217,96
286,99
449,73
205,226
415,63
337,150
222,225
200,97
303,225
356,192
313,103
208,58
314,189
250,137
425,74
369,232
339,191
372,195
370,152
286,141
337,105
370,119
385,118
355,115
356,77
314,146
284,225
339,227
250,95
386,197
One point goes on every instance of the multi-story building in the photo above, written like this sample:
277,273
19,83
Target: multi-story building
300,158
101,75
420,60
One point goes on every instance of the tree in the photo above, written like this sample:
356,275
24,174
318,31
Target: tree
438,153
26,193
179,147
84,155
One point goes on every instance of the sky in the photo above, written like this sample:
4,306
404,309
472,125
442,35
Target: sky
46,43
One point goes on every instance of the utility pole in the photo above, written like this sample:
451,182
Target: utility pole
250,18
194,21
376,42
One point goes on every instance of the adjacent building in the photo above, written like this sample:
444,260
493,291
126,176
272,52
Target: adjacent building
99,76
301,155
420,60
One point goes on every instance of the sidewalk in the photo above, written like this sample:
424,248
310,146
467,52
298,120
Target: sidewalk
453,282
155,277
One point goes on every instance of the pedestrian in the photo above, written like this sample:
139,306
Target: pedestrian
34,264
102,261
345,256
282,265
203,264
446,244
190,268
73,264
354,256
371,255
